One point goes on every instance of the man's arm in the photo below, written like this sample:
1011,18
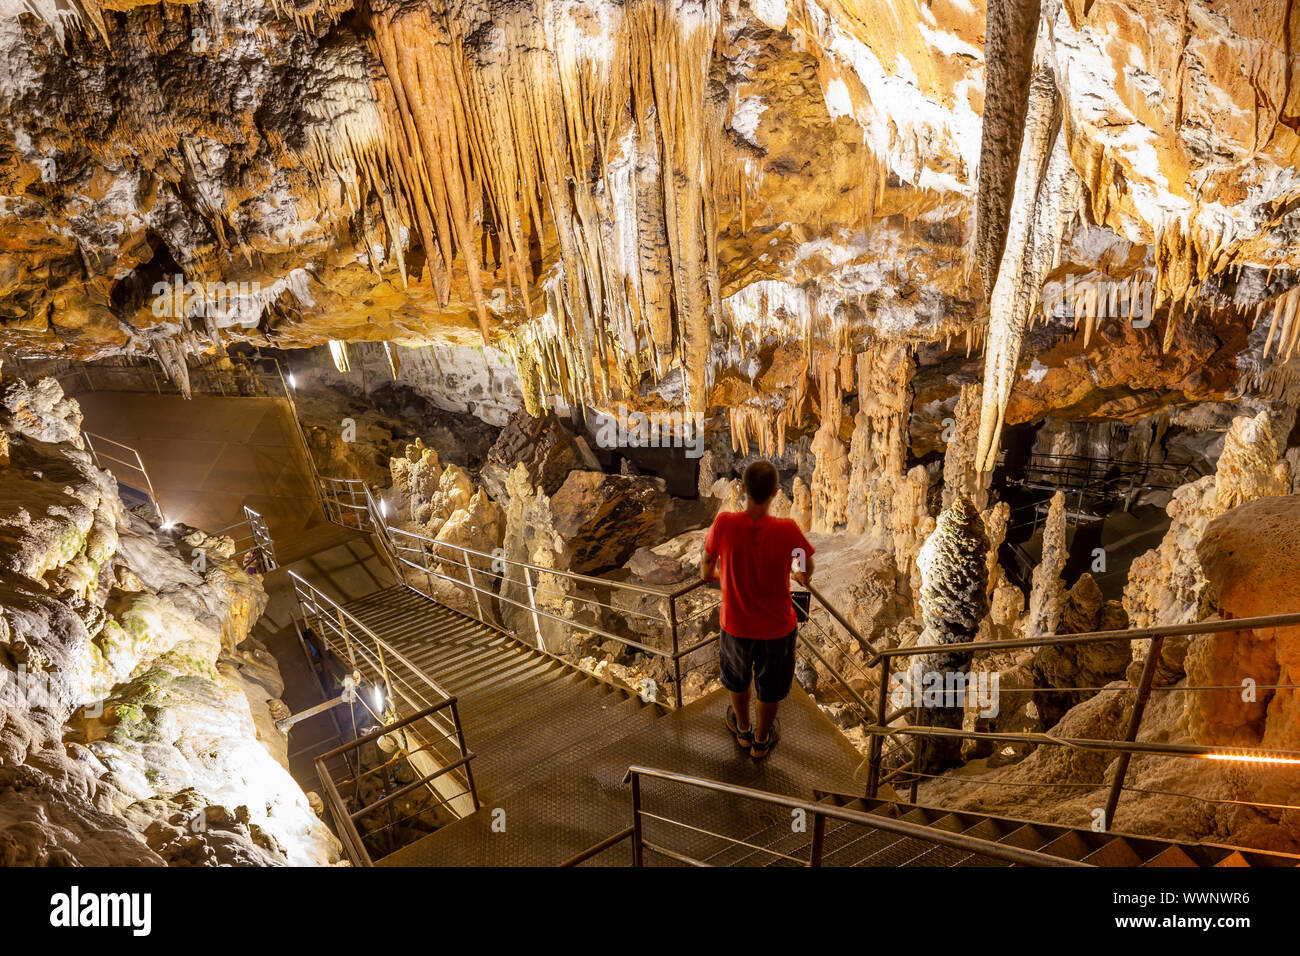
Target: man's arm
708,567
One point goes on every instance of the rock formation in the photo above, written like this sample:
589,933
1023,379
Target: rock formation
131,687
954,599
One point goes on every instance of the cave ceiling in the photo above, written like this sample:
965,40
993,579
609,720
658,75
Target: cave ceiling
672,201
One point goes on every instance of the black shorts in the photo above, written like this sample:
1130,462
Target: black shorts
770,664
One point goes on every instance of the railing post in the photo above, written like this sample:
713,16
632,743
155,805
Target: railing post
638,858
347,637
473,585
1134,721
424,562
464,752
877,741
532,604
819,839
677,658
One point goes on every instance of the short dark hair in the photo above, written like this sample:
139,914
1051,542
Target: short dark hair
760,481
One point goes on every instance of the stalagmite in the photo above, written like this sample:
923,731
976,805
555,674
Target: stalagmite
961,476
878,449
1165,584
801,504
830,479
954,599
1048,590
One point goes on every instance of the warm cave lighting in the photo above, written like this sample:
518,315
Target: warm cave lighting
1253,758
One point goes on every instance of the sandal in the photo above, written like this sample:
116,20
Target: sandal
760,749
745,738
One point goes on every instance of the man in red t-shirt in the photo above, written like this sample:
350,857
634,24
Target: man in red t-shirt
755,555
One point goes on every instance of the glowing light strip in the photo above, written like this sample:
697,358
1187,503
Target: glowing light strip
1252,758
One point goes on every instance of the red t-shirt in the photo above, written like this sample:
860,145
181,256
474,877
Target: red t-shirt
754,560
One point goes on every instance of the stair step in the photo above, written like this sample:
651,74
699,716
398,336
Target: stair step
1116,852
526,714
1069,845
1171,856
532,689
485,674
1027,837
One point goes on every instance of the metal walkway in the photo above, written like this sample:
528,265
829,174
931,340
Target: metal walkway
552,744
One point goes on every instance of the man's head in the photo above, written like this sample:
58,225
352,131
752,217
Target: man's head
760,481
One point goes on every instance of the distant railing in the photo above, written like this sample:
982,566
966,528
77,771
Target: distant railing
126,460
252,539
432,559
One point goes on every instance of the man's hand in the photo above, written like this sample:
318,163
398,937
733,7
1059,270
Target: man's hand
804,576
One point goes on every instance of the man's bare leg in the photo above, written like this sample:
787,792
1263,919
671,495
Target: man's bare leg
764,719
740,706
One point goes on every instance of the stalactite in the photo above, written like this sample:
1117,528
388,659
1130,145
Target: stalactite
593,132
1284,324
394,361
1012,28
172,356
1048,192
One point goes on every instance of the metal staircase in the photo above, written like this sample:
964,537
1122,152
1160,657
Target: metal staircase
841,830
520,708
1066,843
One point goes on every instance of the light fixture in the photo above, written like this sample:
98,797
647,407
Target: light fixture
339,352
379,700
1248,757
383,508
292,382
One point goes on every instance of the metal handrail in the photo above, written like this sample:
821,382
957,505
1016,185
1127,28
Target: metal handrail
1126,747
820,812
572,575
1093,637
138,466
319,597
395,539
347,819
257,533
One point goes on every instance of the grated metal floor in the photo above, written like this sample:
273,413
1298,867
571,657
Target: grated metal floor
553,744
